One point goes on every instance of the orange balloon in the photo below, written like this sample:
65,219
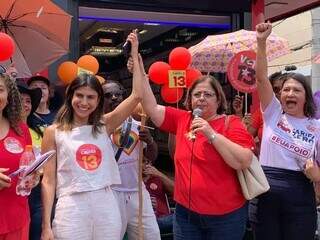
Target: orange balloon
101,79
67,72
89,62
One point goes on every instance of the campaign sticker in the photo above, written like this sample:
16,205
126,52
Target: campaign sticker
153,186
88,157
13,145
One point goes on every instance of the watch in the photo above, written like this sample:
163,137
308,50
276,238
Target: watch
212,137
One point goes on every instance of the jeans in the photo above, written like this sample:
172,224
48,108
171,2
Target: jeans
35,213
165,224
288,210
188,225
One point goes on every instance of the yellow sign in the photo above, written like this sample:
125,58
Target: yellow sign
177,79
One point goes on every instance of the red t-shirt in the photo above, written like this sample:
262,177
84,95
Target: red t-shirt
257,122
158,197
215,189
14,210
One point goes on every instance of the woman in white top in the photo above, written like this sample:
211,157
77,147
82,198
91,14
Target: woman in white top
84,166
288,154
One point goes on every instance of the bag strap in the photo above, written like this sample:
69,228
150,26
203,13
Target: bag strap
125,138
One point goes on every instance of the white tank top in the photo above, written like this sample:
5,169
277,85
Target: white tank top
84,162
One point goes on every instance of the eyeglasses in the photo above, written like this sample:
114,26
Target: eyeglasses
113,94
206,95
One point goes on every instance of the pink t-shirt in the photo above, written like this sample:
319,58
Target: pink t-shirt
14,210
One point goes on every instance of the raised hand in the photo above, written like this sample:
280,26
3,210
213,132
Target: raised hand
263,30
133,39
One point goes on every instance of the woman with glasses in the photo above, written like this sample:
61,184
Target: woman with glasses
14,136
210,204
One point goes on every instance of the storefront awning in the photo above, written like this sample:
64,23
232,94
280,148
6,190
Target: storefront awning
280,9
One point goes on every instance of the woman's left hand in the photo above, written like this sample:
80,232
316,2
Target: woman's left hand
200,125
312,171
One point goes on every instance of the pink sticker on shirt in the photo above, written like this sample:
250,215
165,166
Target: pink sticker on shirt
88,157
153,186
13,145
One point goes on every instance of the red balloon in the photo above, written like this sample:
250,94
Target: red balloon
6,46
171,95
192,75
179,58
158,72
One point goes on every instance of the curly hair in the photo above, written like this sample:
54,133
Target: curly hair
13,110
64,118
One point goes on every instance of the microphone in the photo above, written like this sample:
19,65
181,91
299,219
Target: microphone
197,112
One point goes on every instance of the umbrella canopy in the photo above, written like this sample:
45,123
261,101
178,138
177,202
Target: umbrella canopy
40,30
316,59
214,52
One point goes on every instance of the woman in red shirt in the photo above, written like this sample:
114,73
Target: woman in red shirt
14,136
210,204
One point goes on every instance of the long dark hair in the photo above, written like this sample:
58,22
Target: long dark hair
13,110
221,98
64,118
309,108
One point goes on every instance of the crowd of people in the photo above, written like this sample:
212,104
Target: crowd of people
89,188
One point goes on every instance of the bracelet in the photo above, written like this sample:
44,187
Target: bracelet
212,138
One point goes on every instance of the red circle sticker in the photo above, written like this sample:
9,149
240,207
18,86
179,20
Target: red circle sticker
241,71
153,186
13,145
88,157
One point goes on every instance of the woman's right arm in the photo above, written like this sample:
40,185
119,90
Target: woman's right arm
48,182
155,111
263,30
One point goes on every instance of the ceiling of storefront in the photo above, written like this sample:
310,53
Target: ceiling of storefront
103,32
225,6
163,24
